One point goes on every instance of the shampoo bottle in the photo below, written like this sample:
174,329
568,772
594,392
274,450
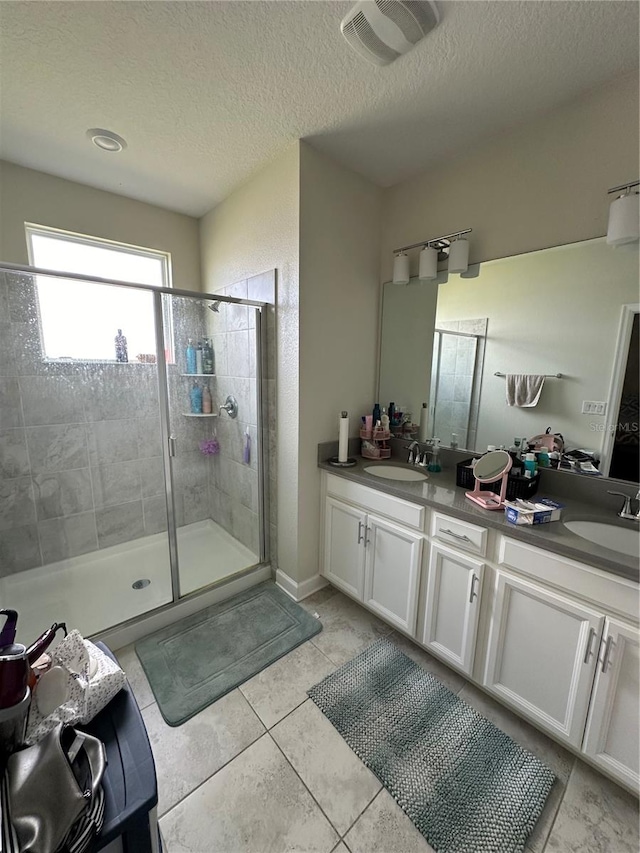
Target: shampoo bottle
196,399
207,402
207,356
191,357
199,359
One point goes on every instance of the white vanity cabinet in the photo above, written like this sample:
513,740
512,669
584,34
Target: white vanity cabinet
392,572
344,554
542,654
452,605
611,736
554,639
374,559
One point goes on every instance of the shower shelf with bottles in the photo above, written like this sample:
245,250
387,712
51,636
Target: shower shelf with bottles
191,375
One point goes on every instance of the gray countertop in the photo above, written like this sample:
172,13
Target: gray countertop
440,492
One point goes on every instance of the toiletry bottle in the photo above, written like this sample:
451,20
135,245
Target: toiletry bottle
121,347
434,462
199,360
454,441
376,414
207,402
191,357
207,356
530,464
196,399
392,413
384,420
514,450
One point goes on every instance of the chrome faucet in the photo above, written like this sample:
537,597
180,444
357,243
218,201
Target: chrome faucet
413,458
626,511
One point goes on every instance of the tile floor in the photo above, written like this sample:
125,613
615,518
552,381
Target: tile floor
263,771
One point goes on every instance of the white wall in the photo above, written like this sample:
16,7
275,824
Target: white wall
256,229
554,311
318,224
30,196
339,294
540,185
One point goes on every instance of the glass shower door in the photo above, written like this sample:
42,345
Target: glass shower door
83,511
212,402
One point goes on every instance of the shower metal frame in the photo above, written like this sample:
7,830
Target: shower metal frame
163,392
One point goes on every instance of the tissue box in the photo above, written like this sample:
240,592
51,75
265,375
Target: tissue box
528,512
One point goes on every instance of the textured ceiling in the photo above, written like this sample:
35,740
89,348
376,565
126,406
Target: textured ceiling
206,92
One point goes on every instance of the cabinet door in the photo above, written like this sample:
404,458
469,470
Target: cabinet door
611,737
344,552
392,572
542,655
452,605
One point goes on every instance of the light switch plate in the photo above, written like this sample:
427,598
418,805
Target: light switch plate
594,407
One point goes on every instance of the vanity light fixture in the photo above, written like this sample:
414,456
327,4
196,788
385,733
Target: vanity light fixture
453,246
401,268
428,270
459,255
624,219
106,139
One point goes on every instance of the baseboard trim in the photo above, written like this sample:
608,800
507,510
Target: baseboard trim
301,590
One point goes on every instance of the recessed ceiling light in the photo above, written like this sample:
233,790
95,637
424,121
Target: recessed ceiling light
106,139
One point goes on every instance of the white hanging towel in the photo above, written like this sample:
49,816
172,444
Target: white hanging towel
523,389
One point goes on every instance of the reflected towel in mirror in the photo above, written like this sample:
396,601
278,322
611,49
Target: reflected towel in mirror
523,389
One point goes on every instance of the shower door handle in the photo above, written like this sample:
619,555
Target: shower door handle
173,445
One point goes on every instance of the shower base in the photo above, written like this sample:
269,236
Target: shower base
96,591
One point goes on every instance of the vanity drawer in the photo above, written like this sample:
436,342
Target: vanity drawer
371,500
610,592
461,534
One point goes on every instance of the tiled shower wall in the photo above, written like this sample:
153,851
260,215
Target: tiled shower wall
233,484
80,445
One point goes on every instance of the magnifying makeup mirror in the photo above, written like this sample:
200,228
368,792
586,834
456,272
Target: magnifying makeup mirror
488,469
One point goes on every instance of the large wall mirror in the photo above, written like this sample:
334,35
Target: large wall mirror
569,310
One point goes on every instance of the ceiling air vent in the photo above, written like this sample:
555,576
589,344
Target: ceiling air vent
382,30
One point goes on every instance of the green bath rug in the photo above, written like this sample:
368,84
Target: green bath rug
196,661
465,784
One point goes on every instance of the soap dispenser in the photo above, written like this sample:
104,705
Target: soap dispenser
434,462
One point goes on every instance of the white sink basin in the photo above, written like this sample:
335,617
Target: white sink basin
394,472
625,540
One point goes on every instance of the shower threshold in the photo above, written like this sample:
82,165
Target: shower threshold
98,590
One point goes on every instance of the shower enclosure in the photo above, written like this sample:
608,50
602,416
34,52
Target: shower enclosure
116,498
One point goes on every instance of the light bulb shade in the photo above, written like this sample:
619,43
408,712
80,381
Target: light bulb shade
459,255
401,269
624,220
428,264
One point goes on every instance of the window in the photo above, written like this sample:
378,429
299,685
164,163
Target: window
79,320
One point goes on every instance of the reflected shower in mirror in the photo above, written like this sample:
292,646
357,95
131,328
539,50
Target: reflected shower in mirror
554,311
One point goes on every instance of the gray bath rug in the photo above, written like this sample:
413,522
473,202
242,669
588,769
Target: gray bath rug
196,661
464,783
